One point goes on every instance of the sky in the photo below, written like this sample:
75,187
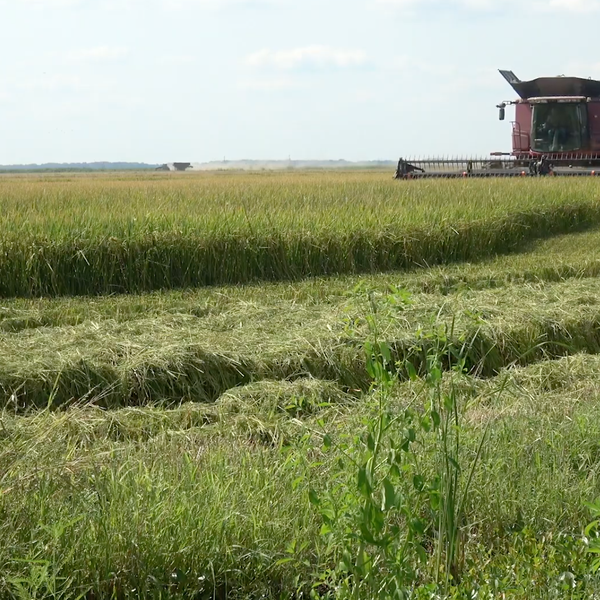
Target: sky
198,80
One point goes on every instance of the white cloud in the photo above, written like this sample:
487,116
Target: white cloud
64,83
270,85
144,4
43,3
577,6
562,6
412,6
214,5
415,4
402,3
220,3
365,97
98,54
307,57
172,60
51,83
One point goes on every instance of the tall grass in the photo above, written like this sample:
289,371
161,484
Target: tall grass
95,235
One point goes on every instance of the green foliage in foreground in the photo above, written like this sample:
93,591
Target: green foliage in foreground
212,500
98,235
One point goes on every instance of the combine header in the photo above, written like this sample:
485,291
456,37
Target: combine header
556,132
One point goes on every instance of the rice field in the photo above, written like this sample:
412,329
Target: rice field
184,381
94,235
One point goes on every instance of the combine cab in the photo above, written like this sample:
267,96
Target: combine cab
556,131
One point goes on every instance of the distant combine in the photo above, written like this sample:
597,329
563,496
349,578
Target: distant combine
176,166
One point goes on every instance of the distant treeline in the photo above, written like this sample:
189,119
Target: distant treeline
93,166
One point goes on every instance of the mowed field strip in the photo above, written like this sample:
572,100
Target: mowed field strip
166,347
179,354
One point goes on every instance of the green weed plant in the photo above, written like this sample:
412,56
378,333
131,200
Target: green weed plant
384,532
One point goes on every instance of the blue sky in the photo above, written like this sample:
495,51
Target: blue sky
198,80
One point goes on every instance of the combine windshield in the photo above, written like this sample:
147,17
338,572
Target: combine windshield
559,127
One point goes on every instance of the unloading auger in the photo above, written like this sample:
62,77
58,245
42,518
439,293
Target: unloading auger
556,132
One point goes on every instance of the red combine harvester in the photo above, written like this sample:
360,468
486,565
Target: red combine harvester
556,131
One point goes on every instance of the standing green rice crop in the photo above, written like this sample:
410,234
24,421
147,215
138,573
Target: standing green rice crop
74,235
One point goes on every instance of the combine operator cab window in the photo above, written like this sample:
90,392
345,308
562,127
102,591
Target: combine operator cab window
559,127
